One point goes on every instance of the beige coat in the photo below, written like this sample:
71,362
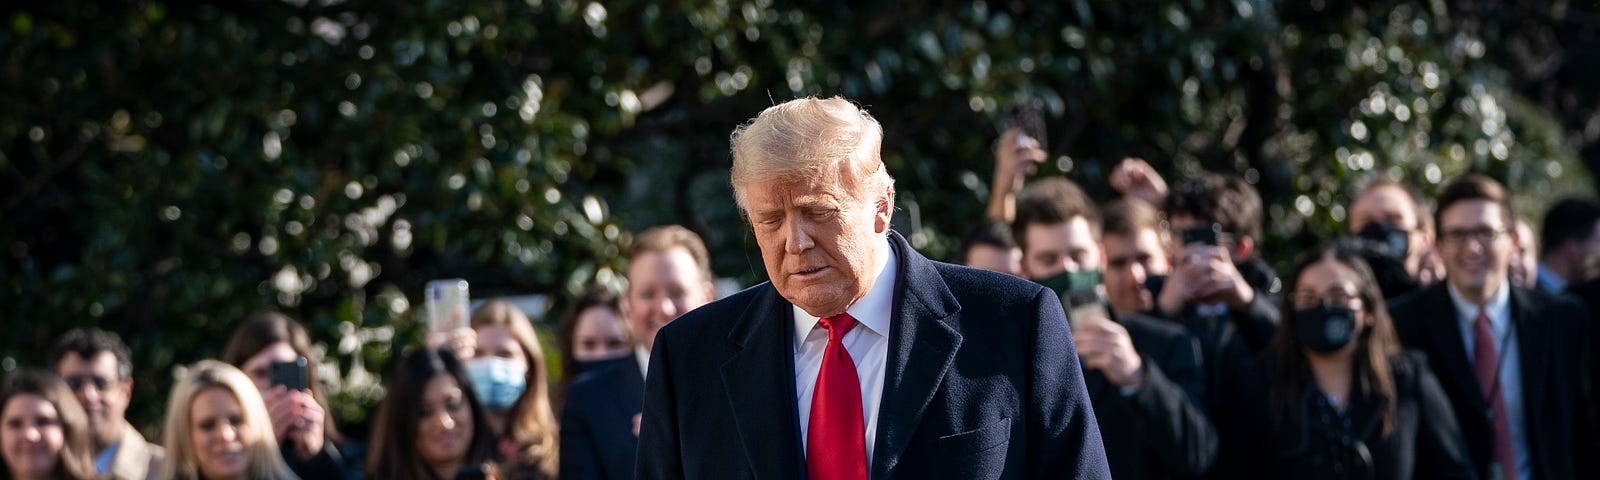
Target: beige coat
136,458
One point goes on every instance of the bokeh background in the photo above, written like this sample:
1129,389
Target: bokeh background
167,167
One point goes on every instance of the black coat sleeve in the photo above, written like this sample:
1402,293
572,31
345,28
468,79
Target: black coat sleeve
1257,322
1441,450
1167,408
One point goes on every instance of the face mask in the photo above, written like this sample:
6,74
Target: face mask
1154,283
1395,241
1326,328
497,381
579,367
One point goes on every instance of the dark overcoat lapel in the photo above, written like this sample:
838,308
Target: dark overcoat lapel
923,341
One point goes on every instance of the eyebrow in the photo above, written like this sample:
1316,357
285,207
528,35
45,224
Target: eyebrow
815,201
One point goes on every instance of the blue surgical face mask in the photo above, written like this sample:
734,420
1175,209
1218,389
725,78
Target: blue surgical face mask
498,382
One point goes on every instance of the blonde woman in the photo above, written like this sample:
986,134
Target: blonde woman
509,376
217,428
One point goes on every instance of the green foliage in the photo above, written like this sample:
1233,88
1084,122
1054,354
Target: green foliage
167,169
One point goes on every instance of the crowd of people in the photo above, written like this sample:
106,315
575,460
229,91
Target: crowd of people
1154,342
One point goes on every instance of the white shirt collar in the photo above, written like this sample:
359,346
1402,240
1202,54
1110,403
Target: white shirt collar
1498,308
871,311
643,357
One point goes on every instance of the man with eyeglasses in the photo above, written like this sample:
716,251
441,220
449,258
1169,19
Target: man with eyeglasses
1512,359
98,368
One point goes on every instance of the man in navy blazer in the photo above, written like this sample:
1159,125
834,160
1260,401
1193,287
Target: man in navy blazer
962,373
669,273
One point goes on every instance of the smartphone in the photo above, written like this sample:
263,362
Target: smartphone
291,374
1082,305
446,304
1211,235
1028,115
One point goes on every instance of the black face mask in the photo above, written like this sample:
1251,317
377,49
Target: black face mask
580,367
1154,283
1325,329
1395,241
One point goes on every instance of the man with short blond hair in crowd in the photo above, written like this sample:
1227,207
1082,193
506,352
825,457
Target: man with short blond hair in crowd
860,358
669,274
98,368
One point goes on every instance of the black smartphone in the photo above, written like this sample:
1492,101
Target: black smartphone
292,374
1028,115
1205,235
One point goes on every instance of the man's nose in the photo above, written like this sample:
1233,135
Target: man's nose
669,307
799,239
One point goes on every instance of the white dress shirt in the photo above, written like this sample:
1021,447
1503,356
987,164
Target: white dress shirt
1500,327
867,342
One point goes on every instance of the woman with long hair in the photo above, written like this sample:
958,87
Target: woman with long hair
217,428
311,444
44,434
430,425
1344,401
510,379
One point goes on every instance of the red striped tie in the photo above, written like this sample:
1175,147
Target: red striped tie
836,445
1486,365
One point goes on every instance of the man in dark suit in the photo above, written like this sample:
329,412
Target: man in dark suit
1570,237
1142,373
1511,359
669,273
860,358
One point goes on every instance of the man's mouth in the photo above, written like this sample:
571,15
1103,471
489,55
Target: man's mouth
808,272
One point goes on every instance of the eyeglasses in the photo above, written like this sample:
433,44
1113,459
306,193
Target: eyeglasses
1480,235
76,382
1332,297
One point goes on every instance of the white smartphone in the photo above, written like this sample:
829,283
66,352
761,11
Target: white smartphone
446,304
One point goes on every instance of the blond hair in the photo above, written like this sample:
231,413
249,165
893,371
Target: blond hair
532,423
810,138
260,446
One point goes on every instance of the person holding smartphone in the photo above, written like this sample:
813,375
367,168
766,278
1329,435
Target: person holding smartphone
217,428
270,342
509,377
1142,374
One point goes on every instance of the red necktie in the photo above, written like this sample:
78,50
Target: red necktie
1486,365
836,444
